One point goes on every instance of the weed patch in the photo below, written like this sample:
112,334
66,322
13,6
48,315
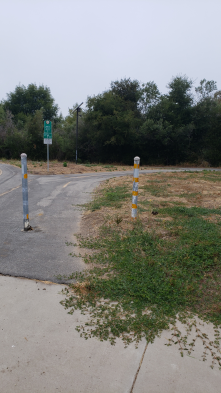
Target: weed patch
180,211
112,196
142,274
155,189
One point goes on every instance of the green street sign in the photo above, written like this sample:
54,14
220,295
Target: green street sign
47,129
47,132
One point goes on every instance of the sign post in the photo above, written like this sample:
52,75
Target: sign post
47,137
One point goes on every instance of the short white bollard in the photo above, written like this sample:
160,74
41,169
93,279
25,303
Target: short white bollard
25,191
135,187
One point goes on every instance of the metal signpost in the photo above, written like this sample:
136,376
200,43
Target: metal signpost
47,137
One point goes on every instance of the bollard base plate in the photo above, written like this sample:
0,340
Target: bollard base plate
28,228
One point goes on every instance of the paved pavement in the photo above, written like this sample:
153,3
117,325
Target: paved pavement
40,349
54,210
54,216
42,352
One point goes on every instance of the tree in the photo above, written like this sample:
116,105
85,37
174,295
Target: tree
217,96
204,117
34,129
180,90
128,91
110,128
11,140
2,114
180,101
68,132
205,89
207,118
5,124
167,130
25,102
150,96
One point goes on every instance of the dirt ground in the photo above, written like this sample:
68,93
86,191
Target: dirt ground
156,190
58,168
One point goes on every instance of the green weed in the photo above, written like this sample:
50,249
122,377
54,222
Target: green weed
215,178
118,219
71,244
112,196
148,279
140,280
155,189
177,211
110,167
188,195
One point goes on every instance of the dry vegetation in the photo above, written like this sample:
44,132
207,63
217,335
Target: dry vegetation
173,188
58,168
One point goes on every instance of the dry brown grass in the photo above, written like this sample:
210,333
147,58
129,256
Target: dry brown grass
57,168
186,189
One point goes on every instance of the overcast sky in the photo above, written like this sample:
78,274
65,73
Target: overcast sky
77,47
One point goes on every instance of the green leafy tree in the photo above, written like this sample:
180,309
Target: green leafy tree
25,101
110,128
13,141
180,100
111,123
217,96
128,90
34,130
68,142
205,119
205,89
2,129
167,130
149,97
2,114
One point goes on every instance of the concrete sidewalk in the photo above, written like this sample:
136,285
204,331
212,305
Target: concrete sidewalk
42,352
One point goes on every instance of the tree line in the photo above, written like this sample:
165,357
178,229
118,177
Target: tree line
131,118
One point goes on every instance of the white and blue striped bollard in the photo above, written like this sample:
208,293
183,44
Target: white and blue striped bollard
135,187
25,191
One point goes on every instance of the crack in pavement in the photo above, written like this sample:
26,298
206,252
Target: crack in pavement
140,364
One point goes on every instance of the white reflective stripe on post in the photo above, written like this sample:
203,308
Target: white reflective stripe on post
135,187
25,191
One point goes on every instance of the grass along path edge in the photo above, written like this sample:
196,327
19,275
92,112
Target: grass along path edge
142,276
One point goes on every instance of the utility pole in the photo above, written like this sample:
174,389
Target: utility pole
78,109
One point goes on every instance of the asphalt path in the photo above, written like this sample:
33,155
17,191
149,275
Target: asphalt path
55,212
